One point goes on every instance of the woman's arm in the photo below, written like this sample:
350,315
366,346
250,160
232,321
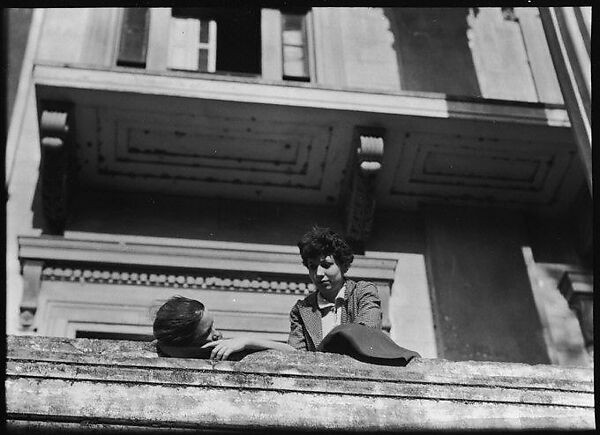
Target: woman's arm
221,349
369,306
296,338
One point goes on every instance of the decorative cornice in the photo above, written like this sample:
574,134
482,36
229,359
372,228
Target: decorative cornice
174,280
259,92
77,251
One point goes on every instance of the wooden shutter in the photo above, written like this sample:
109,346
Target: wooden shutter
295,47
192,44
134,38
183,44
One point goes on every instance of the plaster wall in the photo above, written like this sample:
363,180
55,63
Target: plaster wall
459,51
18,21
484,306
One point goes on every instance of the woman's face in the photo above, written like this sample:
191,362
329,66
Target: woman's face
326,275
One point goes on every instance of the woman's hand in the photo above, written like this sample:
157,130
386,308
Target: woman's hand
223,348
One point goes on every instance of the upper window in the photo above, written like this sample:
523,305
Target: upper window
219,40
295,54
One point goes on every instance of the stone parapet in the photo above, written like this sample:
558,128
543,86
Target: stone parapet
59,383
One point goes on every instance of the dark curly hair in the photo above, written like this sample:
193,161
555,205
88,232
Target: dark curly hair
322,242
177,320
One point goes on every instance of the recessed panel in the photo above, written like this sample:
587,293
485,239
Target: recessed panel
480,167
209,155
476,170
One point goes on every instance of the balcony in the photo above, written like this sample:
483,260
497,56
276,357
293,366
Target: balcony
121,386
228,137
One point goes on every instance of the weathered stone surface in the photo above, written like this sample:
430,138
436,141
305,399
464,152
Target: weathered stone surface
120,386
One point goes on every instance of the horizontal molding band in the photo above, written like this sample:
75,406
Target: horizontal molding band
432,106
281,383
105,276
56,248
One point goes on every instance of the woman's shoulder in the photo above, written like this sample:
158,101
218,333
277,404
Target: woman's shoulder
360,286
307,300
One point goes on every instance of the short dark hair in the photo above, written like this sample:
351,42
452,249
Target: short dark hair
323,241
177,320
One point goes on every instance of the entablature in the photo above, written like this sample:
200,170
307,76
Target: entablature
258,91
66,250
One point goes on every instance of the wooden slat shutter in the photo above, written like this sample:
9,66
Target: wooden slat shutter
134,38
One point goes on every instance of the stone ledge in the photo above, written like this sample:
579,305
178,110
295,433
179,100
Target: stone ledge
121,385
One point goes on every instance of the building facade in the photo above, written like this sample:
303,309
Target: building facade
163,151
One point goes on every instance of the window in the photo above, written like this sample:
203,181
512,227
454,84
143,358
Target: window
295,48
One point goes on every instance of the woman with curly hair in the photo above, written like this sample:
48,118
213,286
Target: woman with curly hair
337,300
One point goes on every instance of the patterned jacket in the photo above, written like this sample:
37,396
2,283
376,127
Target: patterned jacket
362,305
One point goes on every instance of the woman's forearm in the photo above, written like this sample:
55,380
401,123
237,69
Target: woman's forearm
263,344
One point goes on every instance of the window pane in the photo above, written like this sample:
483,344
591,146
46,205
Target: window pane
293,22
295,63
292,53
293,37
203,60
204,31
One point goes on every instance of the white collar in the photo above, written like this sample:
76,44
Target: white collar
324,303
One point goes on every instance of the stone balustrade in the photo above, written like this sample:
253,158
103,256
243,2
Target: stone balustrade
122,386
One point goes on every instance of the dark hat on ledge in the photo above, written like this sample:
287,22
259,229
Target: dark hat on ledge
366,344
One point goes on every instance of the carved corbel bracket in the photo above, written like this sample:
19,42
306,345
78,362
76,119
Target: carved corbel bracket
32,276
55,165
360,201
578,290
